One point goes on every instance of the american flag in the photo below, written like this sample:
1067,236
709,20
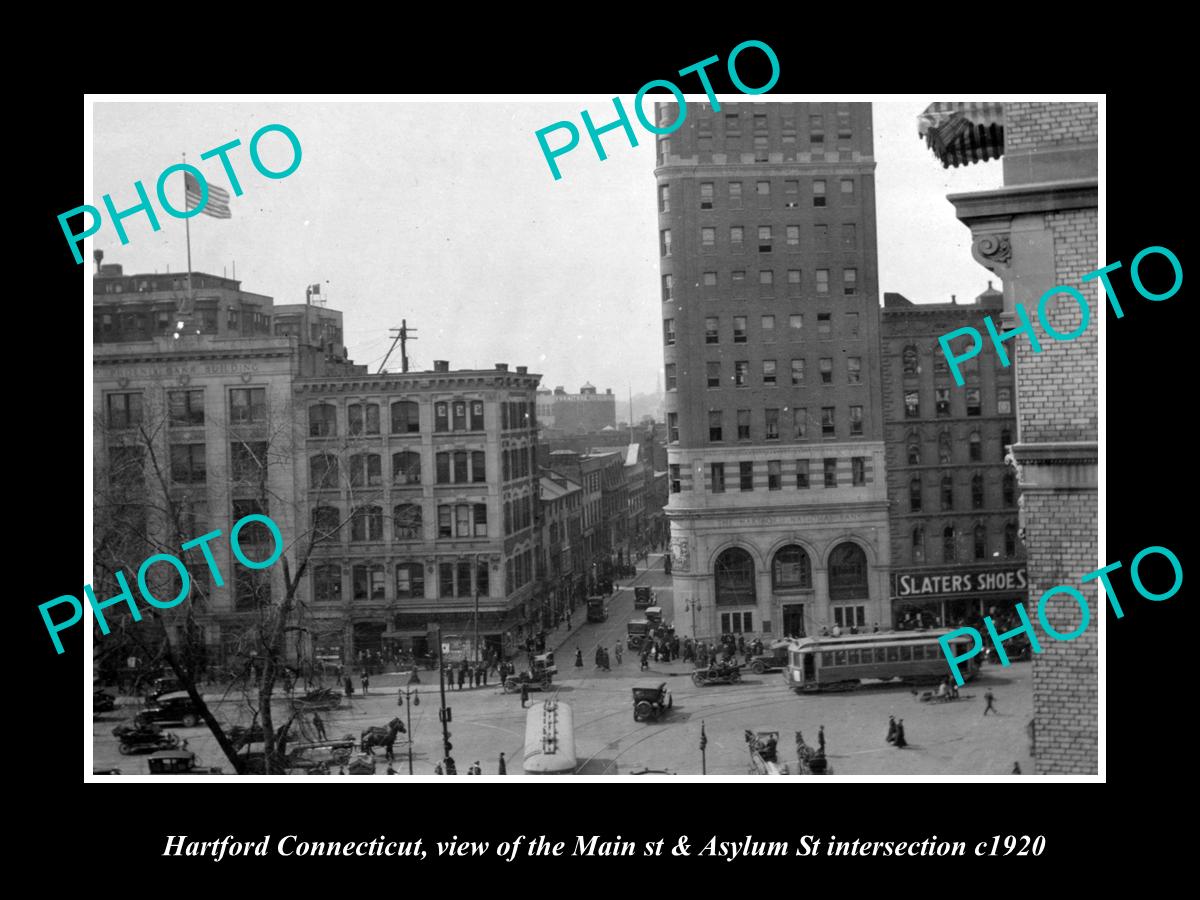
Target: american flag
218,198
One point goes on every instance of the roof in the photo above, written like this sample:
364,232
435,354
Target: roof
552,490
963,133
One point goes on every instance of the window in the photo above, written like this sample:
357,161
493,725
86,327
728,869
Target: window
768,372
949,545
772,424
800,417
406,417
763,188
366,469
446,521
184,408
918,544
764,239
248,406
848,573
478,466
1008,490
974,406
825,365
801,474
446,579
734,578
710,279
462,520
712,372
796,326
761,153
791,187
948,493
914,450
708,238
792,234
791,569
941,401
847,190
366,524
844,131
824,326
717,471
248,461
664,242
743,424
976,492
669,332
766,278
746,475
714,425
849,237
774,475
669,370
914,495
816,134
849,281
706,195
667,285
821,234
739,278
322,420
406,468
793,282
1004,401
1005,442
856,420
818,192
441,417
944,448
410,580
741,373
909,360
739,329
797,372
854,370
976,447
406,520
187,464
828,428
481,578
736,235
363,418
712,330
323,471
464,578
673,475
735,195
912,405
664,198
459,460
830,467
1010,540
822,281
327,584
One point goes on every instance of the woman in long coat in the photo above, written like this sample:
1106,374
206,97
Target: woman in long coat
891,732
900,741
578,658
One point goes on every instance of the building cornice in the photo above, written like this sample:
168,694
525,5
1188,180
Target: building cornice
422,381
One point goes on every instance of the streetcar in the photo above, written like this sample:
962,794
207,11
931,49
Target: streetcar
549,739
823,663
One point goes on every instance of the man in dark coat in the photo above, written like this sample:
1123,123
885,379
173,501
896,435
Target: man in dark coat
821,737
319,726
891,732
462,675
990,702
524,693
900,741
503,769
578,658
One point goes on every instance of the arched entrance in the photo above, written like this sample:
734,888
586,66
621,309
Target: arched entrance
791,582
849,585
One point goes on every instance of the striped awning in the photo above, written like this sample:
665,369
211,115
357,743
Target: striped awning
963,133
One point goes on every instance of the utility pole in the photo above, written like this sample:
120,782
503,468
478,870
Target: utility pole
478,654
444,712
403,336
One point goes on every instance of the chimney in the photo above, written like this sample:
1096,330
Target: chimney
441,365
98,255
522,370
501,367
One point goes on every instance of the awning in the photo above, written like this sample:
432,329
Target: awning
963,133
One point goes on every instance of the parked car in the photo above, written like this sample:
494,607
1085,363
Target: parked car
597,609
774,659
164,684
103,701
545,663
178,762
176,707
642,597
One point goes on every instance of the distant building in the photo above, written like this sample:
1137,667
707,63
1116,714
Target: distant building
562,544
577,413
955,550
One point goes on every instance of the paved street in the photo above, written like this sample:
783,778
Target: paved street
949,738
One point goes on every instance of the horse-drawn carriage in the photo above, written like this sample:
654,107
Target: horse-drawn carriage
717,673
144,738
651,701
810,761
380,735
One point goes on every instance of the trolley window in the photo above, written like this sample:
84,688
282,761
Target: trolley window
839,658
852,658
893,654
826,659
906,653
880,654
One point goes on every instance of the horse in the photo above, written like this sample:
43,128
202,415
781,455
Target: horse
377,736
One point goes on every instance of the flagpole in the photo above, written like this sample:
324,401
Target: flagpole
187,227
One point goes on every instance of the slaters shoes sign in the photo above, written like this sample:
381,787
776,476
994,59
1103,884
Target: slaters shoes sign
958,582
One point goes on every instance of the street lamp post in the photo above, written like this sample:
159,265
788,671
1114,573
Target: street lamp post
411,698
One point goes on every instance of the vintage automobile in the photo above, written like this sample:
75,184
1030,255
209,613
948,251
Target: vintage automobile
176,707
637,632
773,660
651,701
545,663
103,701
143,738
654,615
717,673
178,762
537,681
597,609
163,684
642,597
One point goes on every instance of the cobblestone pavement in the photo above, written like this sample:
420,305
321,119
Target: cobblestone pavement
945,738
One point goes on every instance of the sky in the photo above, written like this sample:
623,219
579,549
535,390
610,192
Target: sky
446,215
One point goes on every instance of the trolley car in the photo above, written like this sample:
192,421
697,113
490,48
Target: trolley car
549,739
824,663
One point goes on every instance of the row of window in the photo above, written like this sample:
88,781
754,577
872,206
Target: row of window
950,542
791,569
972,402
733,121
871,655
461,520
518,514
463,578
518,462
795,327
518,571
188,463
185,408
770,373
775,422
858,474
363,418
945,447
710,282
732,194
916,491
766,243
366,469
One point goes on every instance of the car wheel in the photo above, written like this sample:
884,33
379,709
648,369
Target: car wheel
125,749
758,668
189,721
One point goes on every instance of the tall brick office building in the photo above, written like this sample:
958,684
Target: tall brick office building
956,554
778,504
1038,231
